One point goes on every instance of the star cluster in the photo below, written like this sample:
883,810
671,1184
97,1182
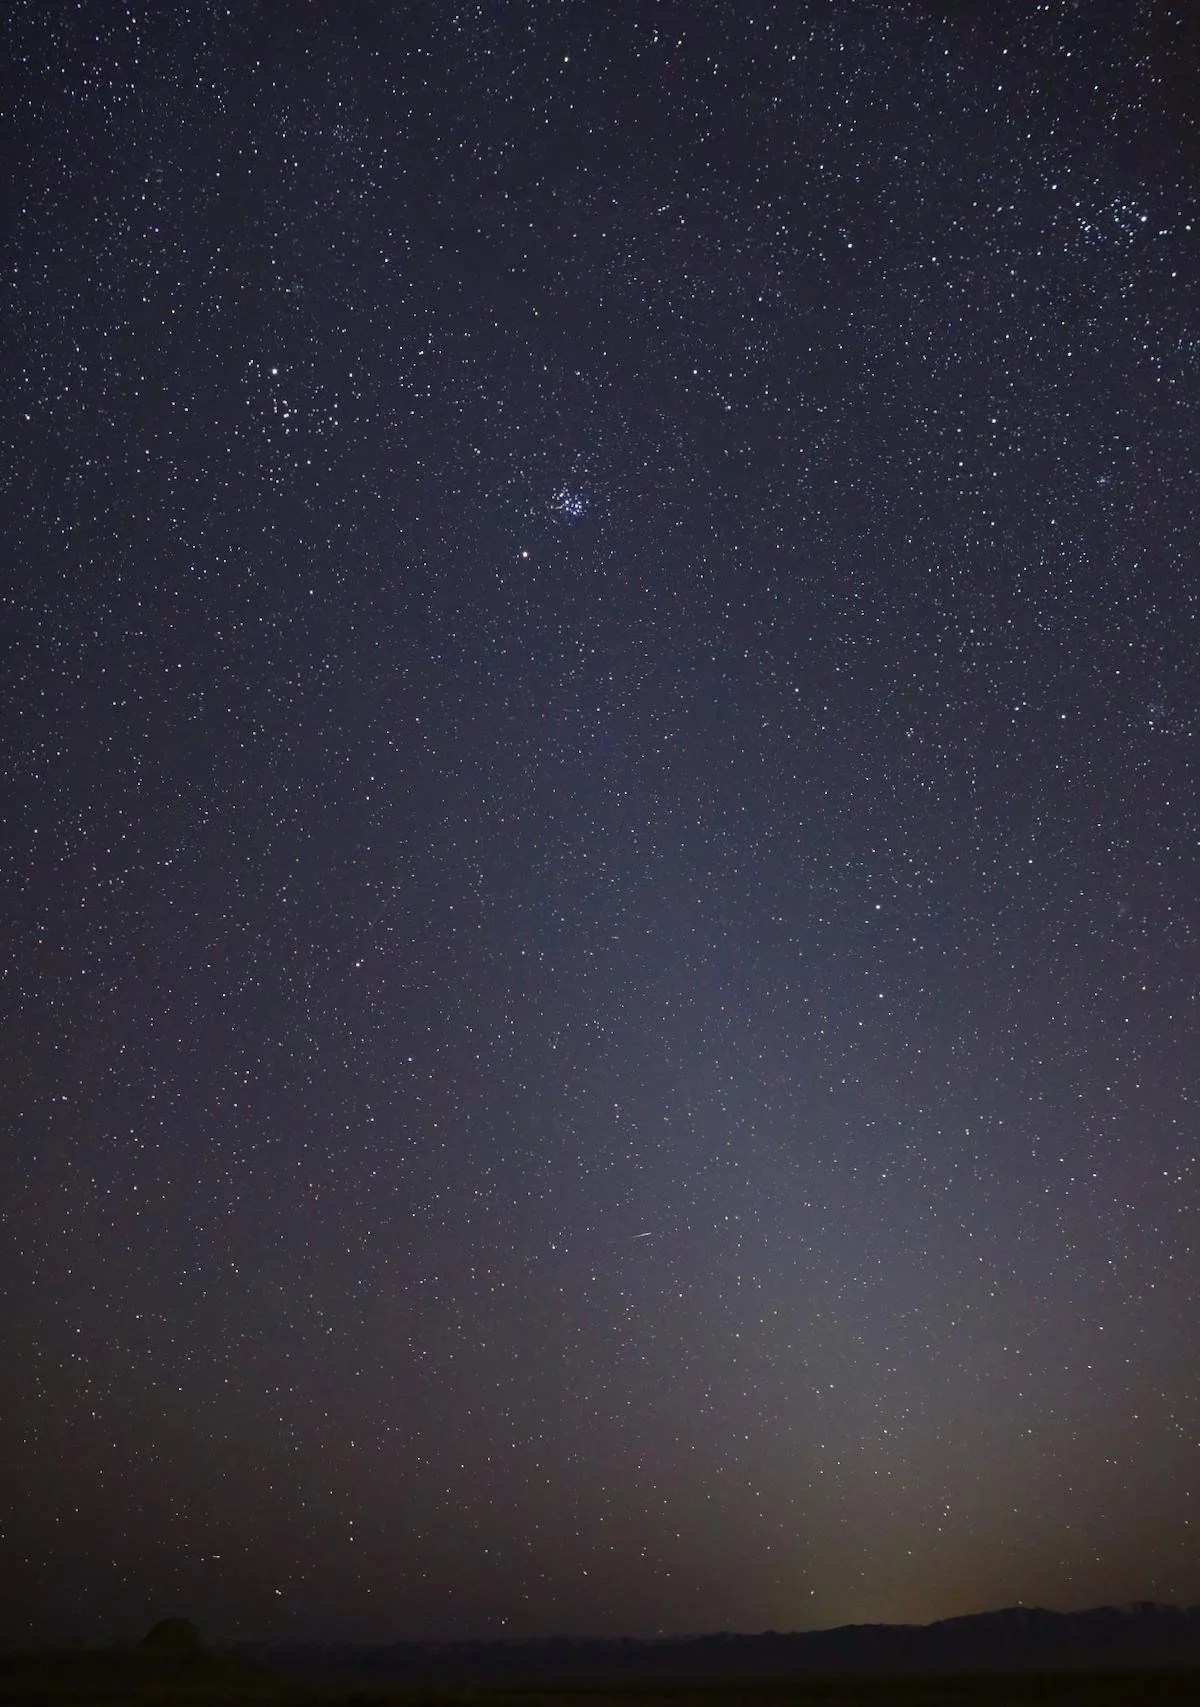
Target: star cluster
599,996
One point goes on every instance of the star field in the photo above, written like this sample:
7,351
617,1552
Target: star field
599,992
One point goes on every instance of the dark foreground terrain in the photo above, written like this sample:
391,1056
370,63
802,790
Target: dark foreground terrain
109,1679
1142,1655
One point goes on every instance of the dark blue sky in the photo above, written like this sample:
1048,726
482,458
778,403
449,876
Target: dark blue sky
601,836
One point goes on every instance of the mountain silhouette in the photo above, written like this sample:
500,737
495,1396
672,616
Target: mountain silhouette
1144,1635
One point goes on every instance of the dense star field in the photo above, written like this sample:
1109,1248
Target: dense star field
601,686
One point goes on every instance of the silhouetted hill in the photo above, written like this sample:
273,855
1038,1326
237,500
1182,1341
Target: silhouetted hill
1141,1636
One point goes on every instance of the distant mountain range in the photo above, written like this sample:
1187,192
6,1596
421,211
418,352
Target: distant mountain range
1142,1636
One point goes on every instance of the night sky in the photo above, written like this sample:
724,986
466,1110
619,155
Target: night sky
601,845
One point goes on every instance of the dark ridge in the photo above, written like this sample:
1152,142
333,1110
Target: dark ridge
1144,1635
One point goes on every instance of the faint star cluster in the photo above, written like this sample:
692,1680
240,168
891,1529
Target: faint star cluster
569,504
